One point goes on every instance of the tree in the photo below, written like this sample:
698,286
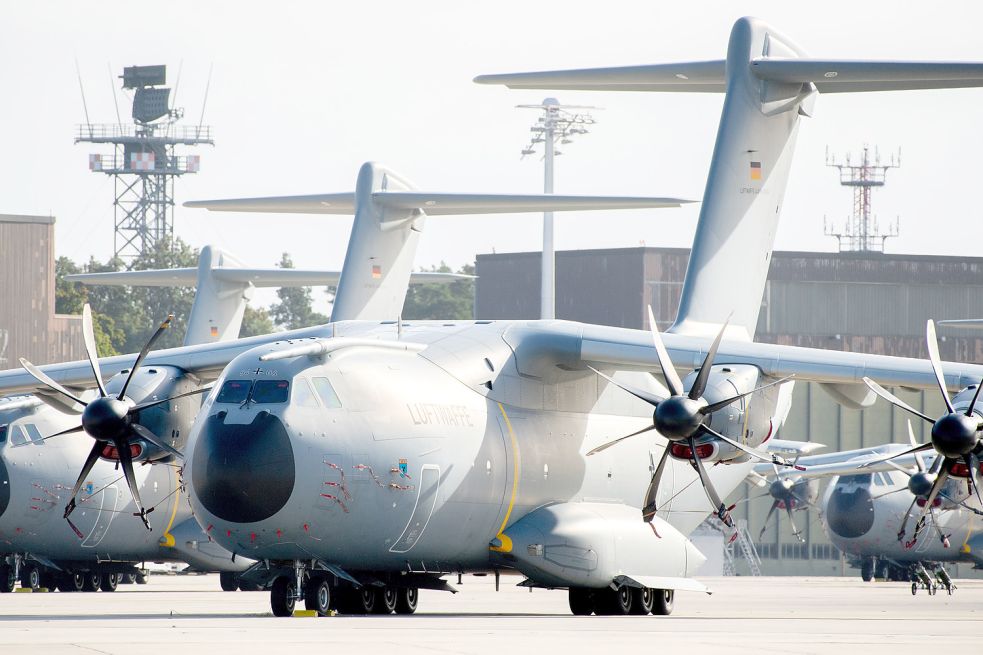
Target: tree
441,301
255,321
294,309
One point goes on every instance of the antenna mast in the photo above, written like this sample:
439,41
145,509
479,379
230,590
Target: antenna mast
861,232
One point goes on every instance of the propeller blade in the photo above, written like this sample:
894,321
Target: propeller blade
894,400
700,383
889,493
919,460
898,467
774,506
90,461
44,379
709,409
77,428
650,398
972,405
719,508
147,435
904,523
973,462
668,370
143,354
88,335
791,522
126,459
933,355
651,494
153,403
607,445
925,446
936,488
764,457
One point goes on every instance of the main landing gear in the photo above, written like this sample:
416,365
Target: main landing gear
621,601
324,593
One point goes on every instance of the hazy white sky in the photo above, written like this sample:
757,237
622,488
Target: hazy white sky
303,92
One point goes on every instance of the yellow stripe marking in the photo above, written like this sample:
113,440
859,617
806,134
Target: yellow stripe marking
168,540
506,546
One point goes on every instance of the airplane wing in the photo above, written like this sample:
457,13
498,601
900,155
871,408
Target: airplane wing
851,462
436,204
258,277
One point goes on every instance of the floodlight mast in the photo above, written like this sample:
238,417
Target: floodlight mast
558,122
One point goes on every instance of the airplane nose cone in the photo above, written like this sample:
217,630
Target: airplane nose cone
850,514
243,473
4,487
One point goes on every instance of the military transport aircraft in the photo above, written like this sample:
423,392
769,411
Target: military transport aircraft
361,460
34,483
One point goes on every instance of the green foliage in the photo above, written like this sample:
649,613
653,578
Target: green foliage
294,308
441,301
255,321
69,296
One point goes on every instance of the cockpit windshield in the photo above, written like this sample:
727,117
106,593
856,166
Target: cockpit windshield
270,391
234,391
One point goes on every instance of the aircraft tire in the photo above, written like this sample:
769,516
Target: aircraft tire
91,581
71,582
49,580
407,600
141,578
282,599
317,596
249,586
643,600
664,601
867,569
616,602
365,600
30,577
386,600
581,601
228,581
109,581
7,579
914,588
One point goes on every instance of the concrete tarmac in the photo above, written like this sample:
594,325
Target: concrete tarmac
189,614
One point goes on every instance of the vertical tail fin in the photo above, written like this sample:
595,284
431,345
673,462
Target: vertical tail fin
769,84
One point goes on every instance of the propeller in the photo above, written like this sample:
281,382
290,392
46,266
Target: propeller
684,417
110,420
785,492
955,437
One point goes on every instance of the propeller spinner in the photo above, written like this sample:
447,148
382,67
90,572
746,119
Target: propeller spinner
110,420
684,417
955,437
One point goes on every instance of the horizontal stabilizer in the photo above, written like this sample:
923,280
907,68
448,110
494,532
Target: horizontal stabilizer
258,277
789,447
964,323
828,75
437,204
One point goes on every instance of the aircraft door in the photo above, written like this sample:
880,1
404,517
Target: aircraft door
108,505
426,499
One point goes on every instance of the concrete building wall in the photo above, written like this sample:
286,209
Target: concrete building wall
863,303
28,325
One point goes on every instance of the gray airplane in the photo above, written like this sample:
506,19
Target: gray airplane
360,461
94,546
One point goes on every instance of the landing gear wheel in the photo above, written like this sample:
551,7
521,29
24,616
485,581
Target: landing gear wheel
385,600
914,588
109,582
614,601
867,569
249,586
881,570
228,581
949,589
643,600
663,602
49,580
581,601
141,578
407,600
317,596
7,579
70,582
30,577
91,581
364,600
282,598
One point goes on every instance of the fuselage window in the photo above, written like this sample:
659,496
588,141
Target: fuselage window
270,391
234,391
303,396
17,436
326,393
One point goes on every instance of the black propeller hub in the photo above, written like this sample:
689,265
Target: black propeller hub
106,419
955,435
781,489
679,417
920,484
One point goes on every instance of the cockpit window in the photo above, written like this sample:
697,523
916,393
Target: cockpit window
234,391
3,433
326,393
34,434
270,391
17,436
303,396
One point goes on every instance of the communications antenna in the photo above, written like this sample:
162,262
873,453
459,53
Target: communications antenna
144,162
559,124
861,232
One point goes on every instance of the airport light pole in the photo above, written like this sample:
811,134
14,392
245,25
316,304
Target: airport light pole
558,123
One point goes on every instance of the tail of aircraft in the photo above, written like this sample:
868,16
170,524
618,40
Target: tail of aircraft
768,85
389,218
